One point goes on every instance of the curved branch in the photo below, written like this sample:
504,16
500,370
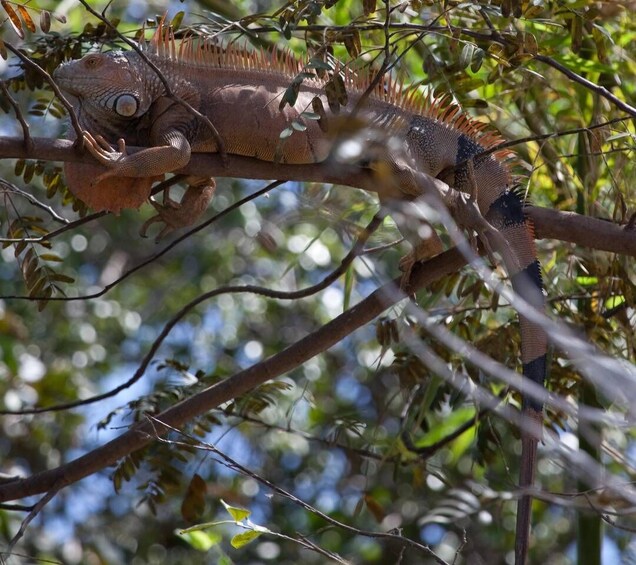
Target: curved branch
140,435
600,90
230,289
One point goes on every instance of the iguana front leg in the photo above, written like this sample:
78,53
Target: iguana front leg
172,131
182,214
151,161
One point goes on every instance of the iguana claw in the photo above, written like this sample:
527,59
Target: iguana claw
176,215
99,148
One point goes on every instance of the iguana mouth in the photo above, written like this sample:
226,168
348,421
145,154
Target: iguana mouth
65,79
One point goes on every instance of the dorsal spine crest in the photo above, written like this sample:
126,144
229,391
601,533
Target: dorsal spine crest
204,52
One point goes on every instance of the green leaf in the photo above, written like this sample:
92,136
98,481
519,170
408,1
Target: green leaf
200,540
238,514
477,60
316,63
581,65
175,23
310,115
51,257
239,540
618,136
614,302
59,277
587,281
466,55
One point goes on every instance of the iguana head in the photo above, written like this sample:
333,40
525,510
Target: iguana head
108,87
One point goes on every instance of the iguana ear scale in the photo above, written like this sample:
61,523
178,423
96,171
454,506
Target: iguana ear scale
126,105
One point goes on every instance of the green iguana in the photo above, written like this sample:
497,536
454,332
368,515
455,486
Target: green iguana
120,100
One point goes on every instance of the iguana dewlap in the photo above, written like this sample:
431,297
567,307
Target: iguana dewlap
119,97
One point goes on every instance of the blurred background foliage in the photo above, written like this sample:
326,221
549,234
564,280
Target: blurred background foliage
347,431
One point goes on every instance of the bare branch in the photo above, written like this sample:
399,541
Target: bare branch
18,114
600,90
54,87
236,466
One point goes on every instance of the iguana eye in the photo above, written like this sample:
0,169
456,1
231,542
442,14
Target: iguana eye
126,105
92,62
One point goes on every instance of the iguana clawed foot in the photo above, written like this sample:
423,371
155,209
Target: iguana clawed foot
424,249
176,215
99,148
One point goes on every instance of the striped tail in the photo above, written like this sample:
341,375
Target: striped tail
450,146
506,214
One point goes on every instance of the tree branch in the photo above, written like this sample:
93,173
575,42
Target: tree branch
600,90
423,274
592,233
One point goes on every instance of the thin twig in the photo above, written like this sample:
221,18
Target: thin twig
10,188
34,512
299,502
28,142
69,107
600,90
155,256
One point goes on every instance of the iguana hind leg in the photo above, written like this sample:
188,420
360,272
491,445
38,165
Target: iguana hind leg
176,215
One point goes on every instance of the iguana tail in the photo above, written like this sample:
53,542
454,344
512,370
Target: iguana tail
506,214
460,152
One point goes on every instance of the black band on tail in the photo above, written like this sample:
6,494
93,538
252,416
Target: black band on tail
535,371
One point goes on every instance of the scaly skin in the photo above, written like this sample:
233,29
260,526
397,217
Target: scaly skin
121,100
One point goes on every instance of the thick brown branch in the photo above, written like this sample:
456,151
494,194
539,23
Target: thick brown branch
587,232
240,383
583,230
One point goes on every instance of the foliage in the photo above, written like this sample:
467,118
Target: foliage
366,433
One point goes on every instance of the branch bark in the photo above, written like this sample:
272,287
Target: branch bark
585,231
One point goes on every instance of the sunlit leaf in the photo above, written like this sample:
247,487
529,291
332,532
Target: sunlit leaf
239,540
14,19
238,514
26,18
199,539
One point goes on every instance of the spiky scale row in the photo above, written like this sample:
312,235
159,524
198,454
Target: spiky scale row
207,53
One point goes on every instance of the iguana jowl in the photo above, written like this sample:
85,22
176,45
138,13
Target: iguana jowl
118,96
